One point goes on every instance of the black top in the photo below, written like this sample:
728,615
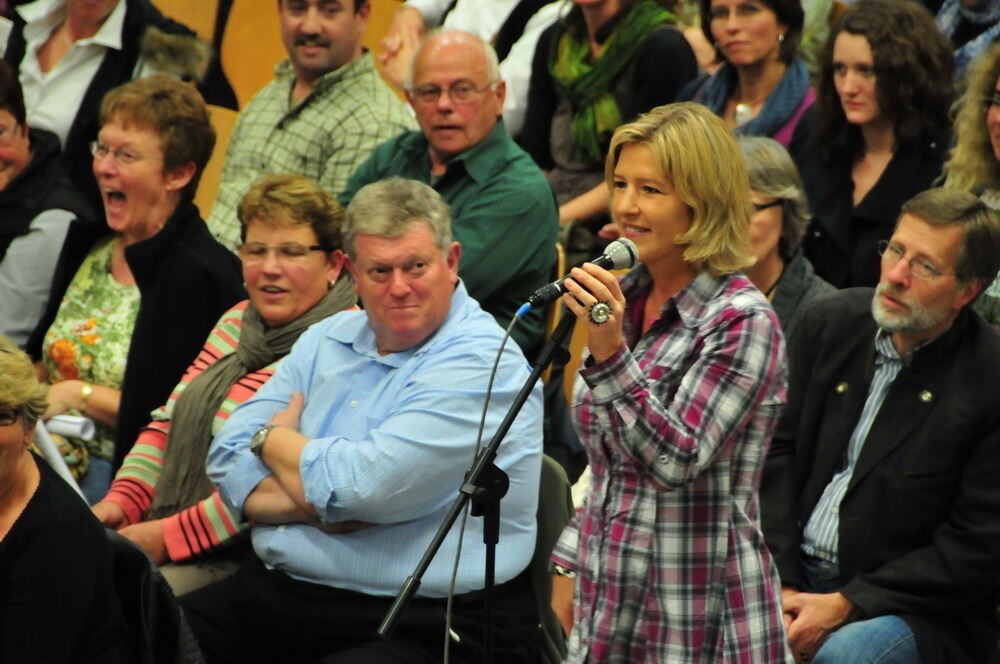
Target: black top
57,597
842,240
186,280
42,185
661,67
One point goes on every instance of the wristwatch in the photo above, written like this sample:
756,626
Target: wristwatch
259,438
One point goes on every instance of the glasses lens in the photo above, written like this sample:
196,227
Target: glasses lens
427,93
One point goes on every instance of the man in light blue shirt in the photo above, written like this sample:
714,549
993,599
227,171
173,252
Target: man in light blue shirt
349,457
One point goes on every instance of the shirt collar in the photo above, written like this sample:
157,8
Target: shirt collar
480,161
42,17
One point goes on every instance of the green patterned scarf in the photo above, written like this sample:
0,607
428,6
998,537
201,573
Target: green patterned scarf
588,84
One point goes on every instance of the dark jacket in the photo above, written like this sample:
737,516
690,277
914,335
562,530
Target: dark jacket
662,64
841,241
919,532
117,68
42,185
186,280
797,287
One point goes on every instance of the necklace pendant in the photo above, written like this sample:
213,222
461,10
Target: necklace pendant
743,115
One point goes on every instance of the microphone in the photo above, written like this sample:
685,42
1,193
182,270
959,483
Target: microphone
618,255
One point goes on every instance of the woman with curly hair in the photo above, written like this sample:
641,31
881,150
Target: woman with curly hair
974,163
880,133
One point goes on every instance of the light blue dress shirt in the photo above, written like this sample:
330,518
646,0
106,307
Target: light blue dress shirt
392,437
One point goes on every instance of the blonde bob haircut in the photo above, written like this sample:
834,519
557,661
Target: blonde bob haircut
701,159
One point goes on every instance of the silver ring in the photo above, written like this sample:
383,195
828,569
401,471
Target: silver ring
600,312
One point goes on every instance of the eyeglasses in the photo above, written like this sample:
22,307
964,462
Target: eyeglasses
122,156
922,269
293,252
7,135
460,92
763,206
8,416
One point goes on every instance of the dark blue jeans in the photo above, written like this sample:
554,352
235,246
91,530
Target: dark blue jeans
879,640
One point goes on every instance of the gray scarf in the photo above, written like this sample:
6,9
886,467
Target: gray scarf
183,481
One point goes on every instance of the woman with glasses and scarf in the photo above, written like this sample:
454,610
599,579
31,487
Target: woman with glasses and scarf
293,268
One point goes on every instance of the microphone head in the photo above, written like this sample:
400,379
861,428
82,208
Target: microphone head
623,253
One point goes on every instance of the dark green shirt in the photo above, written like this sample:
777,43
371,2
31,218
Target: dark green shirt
504,215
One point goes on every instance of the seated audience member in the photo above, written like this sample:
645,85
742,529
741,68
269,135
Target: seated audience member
321,116
503,210
70,53
880,133
971,25
974,164
134,300
880,497
292,268
603,64
684,383
762,89
778,222
512,26
37,205
347,460
57,593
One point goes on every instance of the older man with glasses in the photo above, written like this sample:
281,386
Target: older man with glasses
880,499
504,211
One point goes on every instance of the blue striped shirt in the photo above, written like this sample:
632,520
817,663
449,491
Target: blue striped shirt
392,436
821,536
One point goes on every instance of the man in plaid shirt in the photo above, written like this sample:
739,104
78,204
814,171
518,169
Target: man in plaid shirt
324,112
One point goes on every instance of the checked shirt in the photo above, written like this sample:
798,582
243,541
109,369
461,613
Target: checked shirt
668,550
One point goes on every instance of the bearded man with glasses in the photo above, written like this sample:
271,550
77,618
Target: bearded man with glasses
880,499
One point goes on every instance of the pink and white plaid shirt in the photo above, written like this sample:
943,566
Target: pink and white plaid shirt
671,562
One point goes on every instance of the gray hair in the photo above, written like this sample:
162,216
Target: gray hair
979,257
388,208
773,173
492,61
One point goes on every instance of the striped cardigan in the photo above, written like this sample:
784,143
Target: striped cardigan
208,524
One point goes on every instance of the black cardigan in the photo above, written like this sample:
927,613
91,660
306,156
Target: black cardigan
186,280
842,238
662,65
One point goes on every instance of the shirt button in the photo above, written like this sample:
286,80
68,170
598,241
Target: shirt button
282,529
663,458
835,510
354,404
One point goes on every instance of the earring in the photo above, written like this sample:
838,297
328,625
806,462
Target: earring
781,37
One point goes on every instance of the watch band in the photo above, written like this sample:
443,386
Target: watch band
259,438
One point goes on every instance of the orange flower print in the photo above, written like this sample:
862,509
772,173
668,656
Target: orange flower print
90,338
63,354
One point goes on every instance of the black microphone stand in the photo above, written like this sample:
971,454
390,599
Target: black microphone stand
485,485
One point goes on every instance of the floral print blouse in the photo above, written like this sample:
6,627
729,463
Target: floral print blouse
90,336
